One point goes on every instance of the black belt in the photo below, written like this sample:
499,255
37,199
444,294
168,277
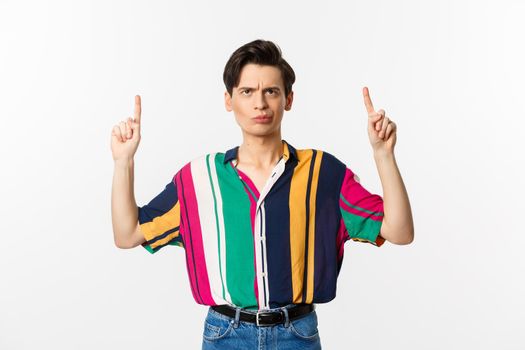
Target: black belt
266,318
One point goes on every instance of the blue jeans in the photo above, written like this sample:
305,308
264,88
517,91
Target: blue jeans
224,332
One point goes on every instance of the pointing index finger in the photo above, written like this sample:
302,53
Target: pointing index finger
138,109
368,101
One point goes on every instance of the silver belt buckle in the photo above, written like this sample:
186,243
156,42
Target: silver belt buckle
257,318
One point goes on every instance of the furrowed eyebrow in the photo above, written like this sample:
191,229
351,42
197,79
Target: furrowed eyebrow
250,88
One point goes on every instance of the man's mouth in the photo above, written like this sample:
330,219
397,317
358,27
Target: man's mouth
263,117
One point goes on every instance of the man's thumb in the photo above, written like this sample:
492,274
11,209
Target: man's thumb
136,129
372,120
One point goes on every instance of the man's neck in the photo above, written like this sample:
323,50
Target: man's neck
260,152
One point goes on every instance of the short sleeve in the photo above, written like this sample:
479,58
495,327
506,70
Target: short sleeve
159,220
362,212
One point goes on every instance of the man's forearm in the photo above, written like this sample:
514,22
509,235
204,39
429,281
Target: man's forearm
123,206
397,226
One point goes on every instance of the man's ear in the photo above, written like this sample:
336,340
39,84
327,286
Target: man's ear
228,101
289,101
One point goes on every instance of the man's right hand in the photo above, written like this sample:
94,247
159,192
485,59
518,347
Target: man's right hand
125,136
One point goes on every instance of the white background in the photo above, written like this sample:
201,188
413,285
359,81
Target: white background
449,73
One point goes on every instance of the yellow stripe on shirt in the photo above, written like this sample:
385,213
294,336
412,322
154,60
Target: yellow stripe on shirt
162,224
311,229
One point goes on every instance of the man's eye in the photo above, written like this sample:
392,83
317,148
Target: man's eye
272,91
243,91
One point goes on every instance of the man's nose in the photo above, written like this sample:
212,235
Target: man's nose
260,100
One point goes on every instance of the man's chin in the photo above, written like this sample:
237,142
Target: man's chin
260,133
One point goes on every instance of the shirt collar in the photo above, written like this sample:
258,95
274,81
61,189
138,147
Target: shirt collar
289,152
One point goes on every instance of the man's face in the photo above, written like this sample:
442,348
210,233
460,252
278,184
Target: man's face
260,93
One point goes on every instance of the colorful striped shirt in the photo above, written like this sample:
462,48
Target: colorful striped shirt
263,250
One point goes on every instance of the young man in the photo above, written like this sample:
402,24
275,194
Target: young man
263,224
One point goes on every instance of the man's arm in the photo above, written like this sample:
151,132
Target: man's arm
124,211
397,226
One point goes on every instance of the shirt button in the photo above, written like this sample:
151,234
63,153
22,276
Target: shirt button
263,274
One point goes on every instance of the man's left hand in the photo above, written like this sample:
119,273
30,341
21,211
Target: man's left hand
381,130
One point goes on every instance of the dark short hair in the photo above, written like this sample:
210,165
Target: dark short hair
261,52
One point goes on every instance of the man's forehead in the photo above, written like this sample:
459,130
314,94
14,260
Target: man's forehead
253,75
